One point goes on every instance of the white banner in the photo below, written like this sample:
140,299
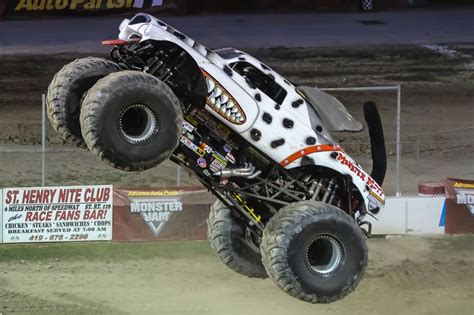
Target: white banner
1,215
57,214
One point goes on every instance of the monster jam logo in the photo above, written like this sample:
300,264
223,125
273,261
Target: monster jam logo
465,195
155,212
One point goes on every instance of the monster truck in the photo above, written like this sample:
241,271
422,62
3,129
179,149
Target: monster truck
291,204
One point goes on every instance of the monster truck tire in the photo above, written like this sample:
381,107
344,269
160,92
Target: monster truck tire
131,120
314,252
66,90
227,238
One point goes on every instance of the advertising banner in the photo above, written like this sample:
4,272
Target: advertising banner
1,215
57,214
459,206
161,214
76,7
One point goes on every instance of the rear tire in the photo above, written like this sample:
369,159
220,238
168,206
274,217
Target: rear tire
131,120
228,240
66,90
313,251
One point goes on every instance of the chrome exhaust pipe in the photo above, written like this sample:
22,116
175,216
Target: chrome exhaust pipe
247,171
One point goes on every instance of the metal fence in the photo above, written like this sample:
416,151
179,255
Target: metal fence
418,157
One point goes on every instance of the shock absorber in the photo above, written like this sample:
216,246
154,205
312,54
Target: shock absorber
330,191
319,185
173,67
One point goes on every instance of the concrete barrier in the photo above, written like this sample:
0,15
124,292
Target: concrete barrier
411,215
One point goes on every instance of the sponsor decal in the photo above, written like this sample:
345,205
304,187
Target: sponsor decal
192,146
216,165
227,148
202,162
155,211
219,157
187,126
191,119
230,157
206,172
374,200
206,148
215,154
375,189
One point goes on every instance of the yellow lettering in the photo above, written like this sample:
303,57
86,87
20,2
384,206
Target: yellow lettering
23,4
120,4
110,4
38,4
74,4
98,4
89,5
50,5
61,4
129,3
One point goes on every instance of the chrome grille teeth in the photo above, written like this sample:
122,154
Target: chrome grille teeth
217,92
218,103
210,85
230,104
224,98
219,100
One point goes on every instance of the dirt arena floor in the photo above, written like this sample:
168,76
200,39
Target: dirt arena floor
406,275
437,94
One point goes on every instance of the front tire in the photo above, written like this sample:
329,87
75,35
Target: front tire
313,251
131,120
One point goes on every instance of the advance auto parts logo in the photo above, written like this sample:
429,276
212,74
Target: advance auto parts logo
465,195
156,212
75,5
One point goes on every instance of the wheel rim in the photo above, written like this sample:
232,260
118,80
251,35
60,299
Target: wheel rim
138,123
324,254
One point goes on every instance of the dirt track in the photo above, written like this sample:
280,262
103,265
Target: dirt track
405,276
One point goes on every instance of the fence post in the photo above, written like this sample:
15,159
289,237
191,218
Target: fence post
417,150
399,149
43,139
178,175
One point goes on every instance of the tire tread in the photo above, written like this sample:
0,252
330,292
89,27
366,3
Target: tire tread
277,236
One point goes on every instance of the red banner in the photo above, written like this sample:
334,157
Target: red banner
161,214
459,206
